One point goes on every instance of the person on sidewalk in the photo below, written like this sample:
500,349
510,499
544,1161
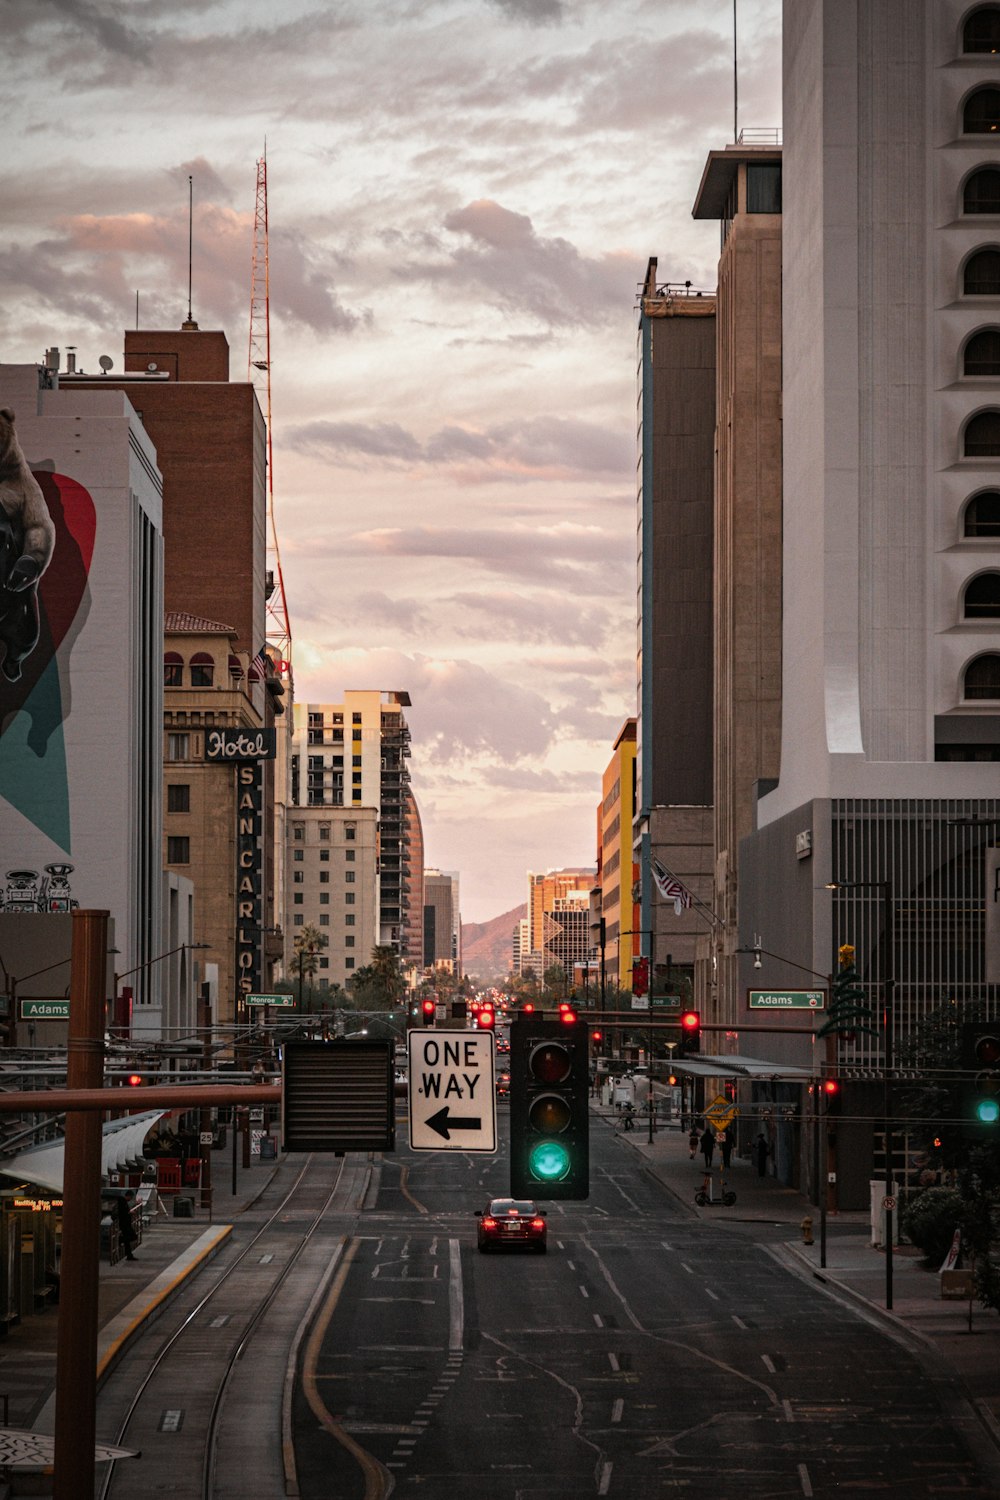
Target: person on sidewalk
727,1143
761,1153
692,1142
707,1144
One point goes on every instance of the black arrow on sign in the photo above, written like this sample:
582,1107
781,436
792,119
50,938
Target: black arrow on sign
442,1124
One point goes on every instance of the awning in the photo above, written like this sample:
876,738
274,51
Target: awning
741,1067
120,1146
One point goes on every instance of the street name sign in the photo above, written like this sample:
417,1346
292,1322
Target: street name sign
288,1001
787,999
452,1093
45,1010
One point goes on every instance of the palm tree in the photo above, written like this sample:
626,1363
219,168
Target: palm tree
309,944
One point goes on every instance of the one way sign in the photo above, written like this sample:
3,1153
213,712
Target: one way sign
452,1095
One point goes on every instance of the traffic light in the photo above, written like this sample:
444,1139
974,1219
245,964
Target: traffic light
690,1033
640,976
486,1019
428,1008
549,1108
981,1073
135,1080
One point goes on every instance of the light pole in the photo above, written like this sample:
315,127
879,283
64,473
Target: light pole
885,890
148,965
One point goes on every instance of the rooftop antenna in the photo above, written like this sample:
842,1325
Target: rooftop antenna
190,320
137,309
736,132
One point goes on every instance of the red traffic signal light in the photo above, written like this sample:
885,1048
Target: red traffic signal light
428,1007
690,1033
527,1006
831,1086
134,1080
597,1036
486,1019
565,1014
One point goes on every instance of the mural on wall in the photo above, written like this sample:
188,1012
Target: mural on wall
28,891
47,528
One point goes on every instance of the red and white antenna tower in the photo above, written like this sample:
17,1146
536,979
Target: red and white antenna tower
279,632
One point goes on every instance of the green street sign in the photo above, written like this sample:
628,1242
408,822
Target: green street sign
45,1010
787,999
286,1001
666,1002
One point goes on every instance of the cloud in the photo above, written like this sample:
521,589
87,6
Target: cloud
549,447
528,618
398,613
97,23
535,12
551,553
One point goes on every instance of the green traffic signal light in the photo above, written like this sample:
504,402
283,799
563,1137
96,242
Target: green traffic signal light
981,1066
549,1096
988,1111
549,1161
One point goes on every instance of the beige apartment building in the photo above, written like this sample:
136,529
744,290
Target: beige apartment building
331,886
741,187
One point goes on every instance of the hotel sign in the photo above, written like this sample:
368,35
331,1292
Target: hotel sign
240,744
249,876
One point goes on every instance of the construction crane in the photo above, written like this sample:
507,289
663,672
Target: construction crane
279,633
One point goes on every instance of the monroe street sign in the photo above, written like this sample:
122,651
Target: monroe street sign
452,1094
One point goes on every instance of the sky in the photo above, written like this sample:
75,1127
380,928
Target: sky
462,198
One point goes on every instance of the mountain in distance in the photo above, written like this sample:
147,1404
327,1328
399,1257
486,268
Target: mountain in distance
487,947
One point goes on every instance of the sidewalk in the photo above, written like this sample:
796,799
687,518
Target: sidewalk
854,1268
130,1295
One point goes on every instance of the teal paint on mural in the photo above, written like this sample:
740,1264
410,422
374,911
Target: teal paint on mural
37,785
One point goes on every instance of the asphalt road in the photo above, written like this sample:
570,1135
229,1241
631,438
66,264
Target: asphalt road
646,1355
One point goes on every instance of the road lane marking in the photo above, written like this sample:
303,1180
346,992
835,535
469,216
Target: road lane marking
456,1306
805,1481
740,1323
687,1268
617,1408
789,1414
666,1246
712,1294
768,1364
605,1482
598,1320
584,1292
614,1362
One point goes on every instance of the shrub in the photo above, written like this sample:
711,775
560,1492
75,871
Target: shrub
930,1220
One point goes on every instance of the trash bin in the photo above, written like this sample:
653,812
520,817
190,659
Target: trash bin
184,1206
268,1148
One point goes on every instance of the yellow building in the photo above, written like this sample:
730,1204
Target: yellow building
615,873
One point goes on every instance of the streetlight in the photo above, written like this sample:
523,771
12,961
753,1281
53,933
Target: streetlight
126,1026
885,890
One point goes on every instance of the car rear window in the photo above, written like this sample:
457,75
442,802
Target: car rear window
511,1206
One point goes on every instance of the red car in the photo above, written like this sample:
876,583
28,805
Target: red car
511,1221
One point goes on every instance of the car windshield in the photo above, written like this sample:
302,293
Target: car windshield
511,1206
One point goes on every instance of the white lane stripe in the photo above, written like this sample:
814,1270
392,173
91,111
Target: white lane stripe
789,1414
456,1307
687,1268
584,1292
616,1410
712,1294
739,1322
614,1362
666,1246
605,1484
598,1320
768,1364
805,1481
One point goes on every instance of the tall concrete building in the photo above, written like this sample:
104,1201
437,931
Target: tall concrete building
741,187
413,869
351,758
674,604
441,919
556,932
891,629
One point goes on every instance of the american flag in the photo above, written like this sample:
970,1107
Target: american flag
670,888
258,667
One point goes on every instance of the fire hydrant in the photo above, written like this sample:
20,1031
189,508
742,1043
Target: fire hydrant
807,1231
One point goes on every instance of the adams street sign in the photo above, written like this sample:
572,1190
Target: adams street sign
786,999
452,1094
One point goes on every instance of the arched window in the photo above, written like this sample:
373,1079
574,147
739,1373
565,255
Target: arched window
235,668
981,114
173,669
981,355
981,32
982,597
982,435
982,677
982,514
202,669
981,275
981,194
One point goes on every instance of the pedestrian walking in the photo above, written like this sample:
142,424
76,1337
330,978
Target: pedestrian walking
692,1142
707,1144
761,1152
727,1143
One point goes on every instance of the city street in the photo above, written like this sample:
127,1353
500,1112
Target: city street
647,1353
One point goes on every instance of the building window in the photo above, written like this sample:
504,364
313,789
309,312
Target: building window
355,778
178,747
324,920
202,669
350,831
298,854
355,718
356,794
355,760
349,877
982,514
981,115
348,963
324,963
982,435
350,854
298,899
324,833
982,597
981,355
982,677
324,898
981,276
299,877
178,851
298,832
348,942
178,799
982,192
981,32
298,920
324,856
348,898
324,877
349,920
764,188
173,669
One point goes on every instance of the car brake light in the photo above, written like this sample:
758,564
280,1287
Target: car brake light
489,1223
538,1223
